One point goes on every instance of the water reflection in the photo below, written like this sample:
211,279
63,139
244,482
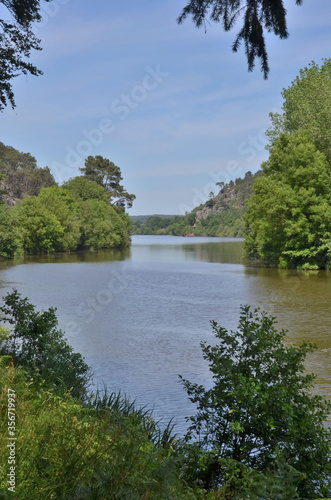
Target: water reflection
189,249
70,257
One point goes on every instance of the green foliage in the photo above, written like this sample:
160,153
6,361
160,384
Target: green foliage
66,209
22,175
64,219
36,344
261,433
289,214
103,227
259,415
108,175
17,42
70,450
83,189
307,106
9,233
40,230
257,15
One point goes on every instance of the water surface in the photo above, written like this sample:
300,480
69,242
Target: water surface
138,315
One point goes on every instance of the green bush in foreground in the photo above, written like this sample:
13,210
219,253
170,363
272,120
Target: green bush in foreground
259,417
35,343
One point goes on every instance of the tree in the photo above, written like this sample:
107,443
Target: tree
259,410
103,226
40,230
307,106
258,15
84,189
37,345
289,213
17,40
66,209
109,176
9,233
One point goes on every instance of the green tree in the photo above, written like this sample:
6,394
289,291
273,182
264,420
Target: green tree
260,410
66,209
109,176
84,189
40,230
258,16
17,40
9,233
37,345
289,213
307,106
103,227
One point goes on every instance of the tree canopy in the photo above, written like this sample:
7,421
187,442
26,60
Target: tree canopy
289,214
109,176
258,16
17,40
307,105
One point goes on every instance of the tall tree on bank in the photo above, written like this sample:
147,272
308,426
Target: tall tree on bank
109,176
307,105
289,214
258,16
17,40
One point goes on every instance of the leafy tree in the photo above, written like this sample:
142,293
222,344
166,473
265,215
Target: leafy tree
17,40
289,214
102,226
84,189
9,233
307,106
36,344
259,410
40,230
258,15
109,176
66,209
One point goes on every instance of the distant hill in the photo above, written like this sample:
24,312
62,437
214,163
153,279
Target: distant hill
20,175
221,215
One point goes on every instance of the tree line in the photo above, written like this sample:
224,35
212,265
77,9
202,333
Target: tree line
86,212
288,217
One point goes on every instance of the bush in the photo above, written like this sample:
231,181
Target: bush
259,412
35,343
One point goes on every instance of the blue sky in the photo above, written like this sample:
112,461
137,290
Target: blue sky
171,105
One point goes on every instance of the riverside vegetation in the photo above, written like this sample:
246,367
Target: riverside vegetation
257,434
38,216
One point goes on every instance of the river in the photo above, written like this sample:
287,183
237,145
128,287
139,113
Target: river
138,315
